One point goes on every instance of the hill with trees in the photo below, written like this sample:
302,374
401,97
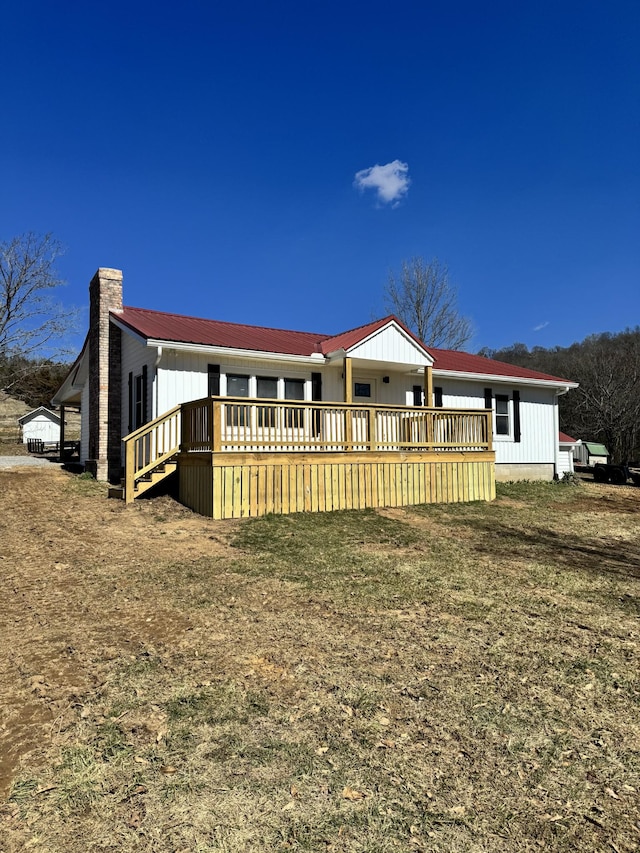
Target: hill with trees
606,405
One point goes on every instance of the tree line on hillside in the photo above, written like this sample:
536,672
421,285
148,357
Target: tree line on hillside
606,405
33,381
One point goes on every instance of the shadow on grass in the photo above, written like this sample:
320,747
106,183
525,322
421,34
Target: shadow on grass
578,553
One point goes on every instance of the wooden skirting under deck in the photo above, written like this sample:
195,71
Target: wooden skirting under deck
240,485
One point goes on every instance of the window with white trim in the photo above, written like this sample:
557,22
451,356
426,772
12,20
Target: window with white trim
294,390
502,414
237,386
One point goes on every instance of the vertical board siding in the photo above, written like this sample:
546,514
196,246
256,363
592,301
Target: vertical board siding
252,487
538,435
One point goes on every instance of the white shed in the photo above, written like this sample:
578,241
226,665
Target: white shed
566,450
40,423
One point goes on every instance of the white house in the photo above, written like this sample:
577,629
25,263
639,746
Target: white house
145,362
40,423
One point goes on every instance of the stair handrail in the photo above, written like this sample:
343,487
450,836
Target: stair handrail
143,454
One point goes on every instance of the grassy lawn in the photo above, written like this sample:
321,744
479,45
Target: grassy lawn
449,678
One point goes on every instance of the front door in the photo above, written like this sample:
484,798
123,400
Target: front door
364,391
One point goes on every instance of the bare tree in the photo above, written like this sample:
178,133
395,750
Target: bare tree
424,298
33,326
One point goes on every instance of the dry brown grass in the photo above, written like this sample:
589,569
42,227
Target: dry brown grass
455,678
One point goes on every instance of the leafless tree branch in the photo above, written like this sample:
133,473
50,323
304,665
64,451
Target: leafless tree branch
424,298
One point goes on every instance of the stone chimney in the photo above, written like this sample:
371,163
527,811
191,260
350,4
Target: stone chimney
105,376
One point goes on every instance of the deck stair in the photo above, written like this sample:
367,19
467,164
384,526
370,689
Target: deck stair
146,482
150,455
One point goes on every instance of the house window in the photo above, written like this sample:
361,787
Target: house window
138,399
267,389
294,390
437,397
362,389
502,414
417,395
213,380
237,386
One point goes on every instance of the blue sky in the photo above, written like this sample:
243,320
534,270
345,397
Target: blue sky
211,153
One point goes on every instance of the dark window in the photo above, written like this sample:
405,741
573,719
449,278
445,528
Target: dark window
138,401
267,390
316,386
294,390
213,380
502,414
417,395
316,396
237,386
362,389
437,397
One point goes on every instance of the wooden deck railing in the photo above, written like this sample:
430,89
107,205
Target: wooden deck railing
149,447
234,424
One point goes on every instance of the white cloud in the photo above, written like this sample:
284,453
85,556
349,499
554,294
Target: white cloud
541,326
391,181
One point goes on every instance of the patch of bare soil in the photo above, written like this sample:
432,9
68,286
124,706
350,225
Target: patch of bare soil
69,560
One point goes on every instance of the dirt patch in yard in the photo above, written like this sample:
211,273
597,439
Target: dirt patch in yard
70,564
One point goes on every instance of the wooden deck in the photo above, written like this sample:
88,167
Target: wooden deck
240,457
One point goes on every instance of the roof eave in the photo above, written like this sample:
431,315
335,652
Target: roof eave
234,352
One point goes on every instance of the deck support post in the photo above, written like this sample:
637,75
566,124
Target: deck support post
373,439
63,455
129,472
348,380
428,386
216,423
348,398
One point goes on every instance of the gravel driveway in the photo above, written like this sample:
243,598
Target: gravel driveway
24,461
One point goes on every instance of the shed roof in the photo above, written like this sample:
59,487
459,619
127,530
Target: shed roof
41,410
595,449
166,327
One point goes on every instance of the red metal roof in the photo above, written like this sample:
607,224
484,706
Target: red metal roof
566,439
462,362
158,325
215,333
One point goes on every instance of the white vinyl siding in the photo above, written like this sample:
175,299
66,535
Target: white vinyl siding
392,346
134,356
565,461
537,420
